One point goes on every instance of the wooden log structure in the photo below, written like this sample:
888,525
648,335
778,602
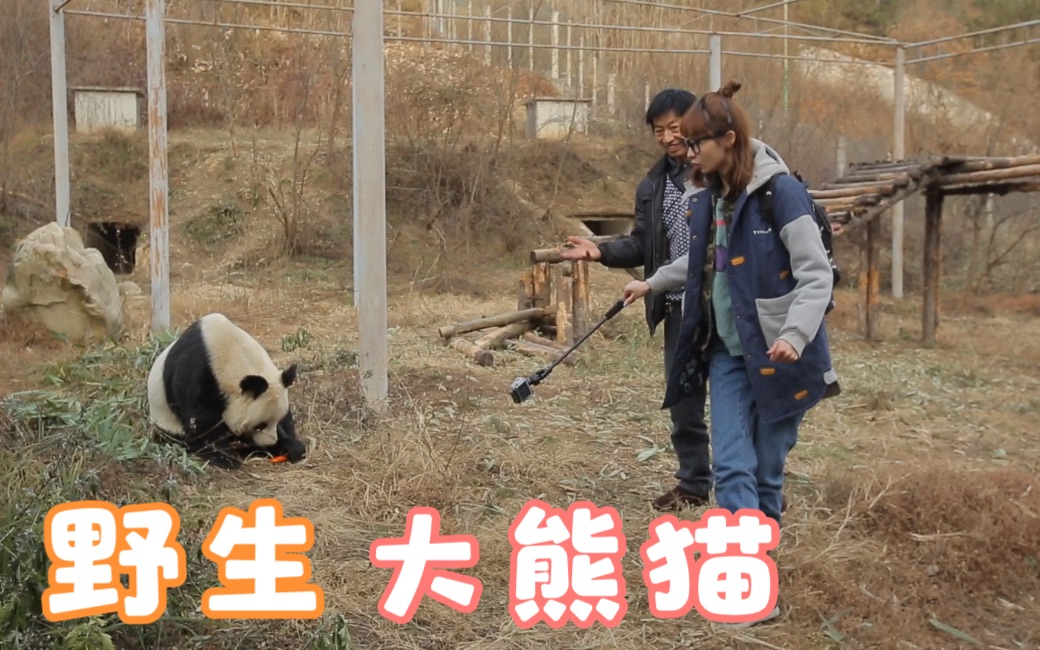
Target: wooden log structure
932,266
553,295
449,331
869,189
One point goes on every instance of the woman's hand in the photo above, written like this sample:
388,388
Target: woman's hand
634,290
782,352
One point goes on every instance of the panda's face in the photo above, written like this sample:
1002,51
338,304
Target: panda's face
261,403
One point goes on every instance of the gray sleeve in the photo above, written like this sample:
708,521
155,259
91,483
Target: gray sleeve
670,277
815,281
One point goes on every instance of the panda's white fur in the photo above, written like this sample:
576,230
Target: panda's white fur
213,350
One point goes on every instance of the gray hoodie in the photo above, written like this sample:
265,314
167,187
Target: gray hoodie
767,161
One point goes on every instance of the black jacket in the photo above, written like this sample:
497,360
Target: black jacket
646,245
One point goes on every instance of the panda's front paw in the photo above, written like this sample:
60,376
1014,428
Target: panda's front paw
294,450
222,460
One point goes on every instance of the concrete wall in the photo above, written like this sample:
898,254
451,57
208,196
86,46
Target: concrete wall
550,119
101,109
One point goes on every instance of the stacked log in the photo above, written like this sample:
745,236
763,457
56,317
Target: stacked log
552,312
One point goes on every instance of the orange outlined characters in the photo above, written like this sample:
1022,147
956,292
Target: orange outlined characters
566,566
740,585
148,555
414,558
90,544
667,560
271,580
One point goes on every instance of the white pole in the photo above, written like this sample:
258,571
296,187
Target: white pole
60,115
158,194
487,34
370,200
898,153
509,38
842,155
714,62
556,46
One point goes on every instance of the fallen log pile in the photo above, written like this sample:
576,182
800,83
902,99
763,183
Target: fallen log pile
552,312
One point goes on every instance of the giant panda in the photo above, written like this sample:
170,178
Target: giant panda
214,385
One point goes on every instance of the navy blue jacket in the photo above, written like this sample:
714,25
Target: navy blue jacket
780,284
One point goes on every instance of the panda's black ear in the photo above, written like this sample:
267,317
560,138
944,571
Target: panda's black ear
253,385
289,376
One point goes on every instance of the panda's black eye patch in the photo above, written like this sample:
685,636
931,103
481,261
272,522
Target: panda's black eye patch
260,427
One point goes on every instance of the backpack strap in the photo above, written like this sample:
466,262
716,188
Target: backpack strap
766,199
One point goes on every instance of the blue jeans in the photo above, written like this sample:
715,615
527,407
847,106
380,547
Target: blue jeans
748,455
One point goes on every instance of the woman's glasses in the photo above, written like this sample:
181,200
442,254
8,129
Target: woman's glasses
694,144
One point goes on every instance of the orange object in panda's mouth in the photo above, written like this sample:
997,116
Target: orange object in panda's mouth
279,459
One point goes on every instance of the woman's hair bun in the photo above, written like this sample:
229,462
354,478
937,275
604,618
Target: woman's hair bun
730,89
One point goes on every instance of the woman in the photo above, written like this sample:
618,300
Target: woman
762,290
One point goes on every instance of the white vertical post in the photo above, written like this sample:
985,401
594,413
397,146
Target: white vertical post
530,38
555,46
842,156
595,78
158,193
400,32
509,38
646,95
581,65
898,132
370,200
469,25
714,62
610,93
487,34
60,116
570,68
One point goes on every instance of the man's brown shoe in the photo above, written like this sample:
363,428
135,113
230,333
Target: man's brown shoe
678,497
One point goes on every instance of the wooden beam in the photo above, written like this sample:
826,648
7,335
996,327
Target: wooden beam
835,185
579,298
531,337
857,190
525,291
535,350
546,255
496,337
1025,171
998,163
493,321
869,281
478,354
993,187
542,280
932,266
564,308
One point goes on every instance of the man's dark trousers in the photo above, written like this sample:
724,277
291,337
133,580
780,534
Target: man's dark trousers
689,432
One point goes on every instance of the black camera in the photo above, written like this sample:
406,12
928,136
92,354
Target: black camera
521,389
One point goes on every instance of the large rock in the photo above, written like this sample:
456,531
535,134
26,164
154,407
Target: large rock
57,282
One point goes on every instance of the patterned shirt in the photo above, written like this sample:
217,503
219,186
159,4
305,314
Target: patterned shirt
677,231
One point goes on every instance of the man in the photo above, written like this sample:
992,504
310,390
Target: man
660,236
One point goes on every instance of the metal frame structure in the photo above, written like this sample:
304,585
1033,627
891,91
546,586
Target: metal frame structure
367,36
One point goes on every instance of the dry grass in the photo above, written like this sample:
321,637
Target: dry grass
893,489
914,501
